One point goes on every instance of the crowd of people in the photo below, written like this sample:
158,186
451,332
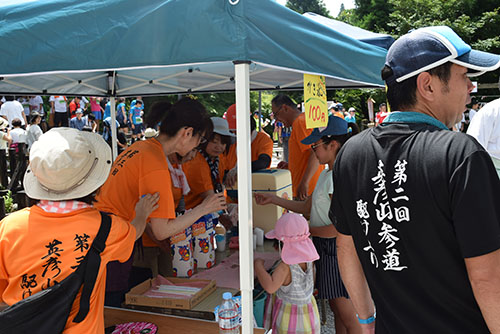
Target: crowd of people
397,226
92,115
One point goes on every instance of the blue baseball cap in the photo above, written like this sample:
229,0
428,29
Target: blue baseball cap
336,126
426,48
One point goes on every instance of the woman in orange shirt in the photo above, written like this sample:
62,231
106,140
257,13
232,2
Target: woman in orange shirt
205,172
143,168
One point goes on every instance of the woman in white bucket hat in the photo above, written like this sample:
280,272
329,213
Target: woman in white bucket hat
43,244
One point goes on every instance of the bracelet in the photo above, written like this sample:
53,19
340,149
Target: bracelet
366,321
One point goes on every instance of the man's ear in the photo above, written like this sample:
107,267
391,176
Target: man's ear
426,86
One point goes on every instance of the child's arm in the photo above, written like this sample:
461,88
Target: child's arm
271,283
303,207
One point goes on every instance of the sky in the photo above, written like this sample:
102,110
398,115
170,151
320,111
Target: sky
332,5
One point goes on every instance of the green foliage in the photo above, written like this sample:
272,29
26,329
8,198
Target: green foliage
8,202
475,21
372,14
304,6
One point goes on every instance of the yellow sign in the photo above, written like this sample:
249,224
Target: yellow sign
315,105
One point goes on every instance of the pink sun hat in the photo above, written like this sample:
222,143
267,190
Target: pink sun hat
292,229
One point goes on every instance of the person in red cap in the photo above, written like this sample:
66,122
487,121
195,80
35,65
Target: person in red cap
292,307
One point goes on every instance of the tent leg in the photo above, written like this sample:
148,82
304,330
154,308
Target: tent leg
112,124
242,78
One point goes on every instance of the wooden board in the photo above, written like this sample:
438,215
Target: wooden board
166,324
204,310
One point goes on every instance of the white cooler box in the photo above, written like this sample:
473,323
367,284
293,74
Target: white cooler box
275,181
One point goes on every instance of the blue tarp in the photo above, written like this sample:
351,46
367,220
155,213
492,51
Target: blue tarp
172,46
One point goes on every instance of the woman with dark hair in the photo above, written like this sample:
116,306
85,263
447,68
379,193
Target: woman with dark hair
34,131
206,171
325,144
142,168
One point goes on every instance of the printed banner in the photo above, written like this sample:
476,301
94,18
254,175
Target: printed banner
315,105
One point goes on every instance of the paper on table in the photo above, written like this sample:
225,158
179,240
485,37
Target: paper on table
227,273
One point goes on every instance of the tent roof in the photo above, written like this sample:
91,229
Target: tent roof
172,46
381,40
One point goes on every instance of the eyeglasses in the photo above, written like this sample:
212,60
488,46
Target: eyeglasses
203,140
315,146
278,111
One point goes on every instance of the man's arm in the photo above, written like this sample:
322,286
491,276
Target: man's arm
312,167
355,281
484,276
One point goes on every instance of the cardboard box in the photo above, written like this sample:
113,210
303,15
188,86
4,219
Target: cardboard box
135,295
271,181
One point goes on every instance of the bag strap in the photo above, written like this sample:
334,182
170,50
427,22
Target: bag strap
93,259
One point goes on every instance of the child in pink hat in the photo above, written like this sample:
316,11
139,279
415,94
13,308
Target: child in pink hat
291,308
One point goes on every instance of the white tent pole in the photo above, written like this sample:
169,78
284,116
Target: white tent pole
114,147
242,78
112,105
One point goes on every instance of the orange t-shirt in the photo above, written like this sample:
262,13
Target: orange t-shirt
199,178
177,193
298,155
140,169
72,109
262,144
39,248
230,157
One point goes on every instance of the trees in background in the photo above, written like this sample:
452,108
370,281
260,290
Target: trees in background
304,6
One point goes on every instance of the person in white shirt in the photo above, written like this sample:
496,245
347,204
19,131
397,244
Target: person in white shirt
485,127
36,105
34,131
12,109
17,133
5,138
474,108
83,103
59,109
26,105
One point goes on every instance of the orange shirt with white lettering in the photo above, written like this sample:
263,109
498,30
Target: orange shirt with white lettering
140,169
298,155
38,248
199,178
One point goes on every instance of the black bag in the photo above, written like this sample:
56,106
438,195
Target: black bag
47,311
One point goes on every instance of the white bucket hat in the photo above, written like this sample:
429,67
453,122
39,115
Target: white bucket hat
221,126
67,164
150,133
3,123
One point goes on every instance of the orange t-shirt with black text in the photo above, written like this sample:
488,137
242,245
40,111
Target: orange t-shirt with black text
38,248
298,155
140,169
199,178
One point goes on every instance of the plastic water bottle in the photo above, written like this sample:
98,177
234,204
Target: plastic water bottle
228,315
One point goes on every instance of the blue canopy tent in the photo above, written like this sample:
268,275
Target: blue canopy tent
125,47
366,36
